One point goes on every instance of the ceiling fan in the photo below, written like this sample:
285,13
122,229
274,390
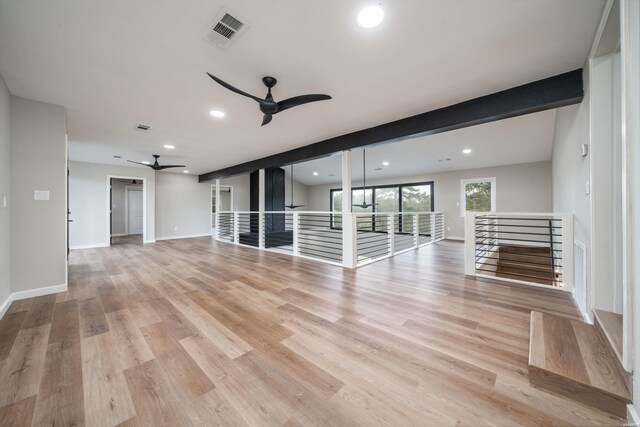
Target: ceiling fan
155,166
292,206
268,106
364,204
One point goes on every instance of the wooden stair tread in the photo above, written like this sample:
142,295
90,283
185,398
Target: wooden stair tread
570,357
611,324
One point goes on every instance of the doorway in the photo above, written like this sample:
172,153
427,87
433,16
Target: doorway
127,211
225,204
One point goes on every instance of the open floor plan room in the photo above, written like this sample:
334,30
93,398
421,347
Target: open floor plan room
320,212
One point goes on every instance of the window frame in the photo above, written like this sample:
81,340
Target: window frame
463,192
373,193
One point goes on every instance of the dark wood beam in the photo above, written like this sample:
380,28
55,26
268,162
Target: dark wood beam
553,92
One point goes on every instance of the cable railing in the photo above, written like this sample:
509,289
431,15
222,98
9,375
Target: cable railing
381,235
531,248
321,235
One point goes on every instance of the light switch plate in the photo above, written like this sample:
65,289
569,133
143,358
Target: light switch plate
4,202
40,194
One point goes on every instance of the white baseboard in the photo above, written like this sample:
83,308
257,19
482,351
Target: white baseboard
186,236
454,238
119,235
149,241
5,306
633,419
31,293
95,245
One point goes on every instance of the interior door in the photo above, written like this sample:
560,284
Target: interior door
135,214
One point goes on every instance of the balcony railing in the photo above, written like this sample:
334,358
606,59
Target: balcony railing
531,248
320,235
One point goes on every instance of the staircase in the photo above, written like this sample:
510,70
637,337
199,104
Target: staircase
580,361
526,263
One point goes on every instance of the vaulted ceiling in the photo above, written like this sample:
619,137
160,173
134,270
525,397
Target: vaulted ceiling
117,63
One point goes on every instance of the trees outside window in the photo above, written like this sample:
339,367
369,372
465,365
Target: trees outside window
477,195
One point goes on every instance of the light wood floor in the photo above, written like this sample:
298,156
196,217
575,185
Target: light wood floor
192,332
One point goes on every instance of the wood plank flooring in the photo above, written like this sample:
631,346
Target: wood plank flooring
194,332
571,357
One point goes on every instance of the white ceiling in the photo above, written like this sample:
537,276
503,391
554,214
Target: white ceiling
521,139
116,63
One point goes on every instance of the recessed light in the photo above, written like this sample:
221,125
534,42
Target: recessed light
466,150
315,174
385,163
185,171
216,113
370,16
144,162
169,147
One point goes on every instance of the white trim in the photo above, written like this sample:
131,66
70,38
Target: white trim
119,235
463,199
184,236
632,415
31,293
454,238
148,241
5,306
95,245
144,205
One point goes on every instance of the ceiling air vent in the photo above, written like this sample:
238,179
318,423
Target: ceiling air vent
142,127
225,29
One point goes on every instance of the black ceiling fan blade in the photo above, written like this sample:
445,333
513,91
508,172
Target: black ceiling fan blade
299,100
234,89
138,163
171,166
266,119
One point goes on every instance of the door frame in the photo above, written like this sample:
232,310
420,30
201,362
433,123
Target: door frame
109,207
213,192
127,189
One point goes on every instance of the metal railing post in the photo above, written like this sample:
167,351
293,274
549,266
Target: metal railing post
416,230
434,222
391,234
296,233
260,229
236,228
470,244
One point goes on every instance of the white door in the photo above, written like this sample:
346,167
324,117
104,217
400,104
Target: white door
134,206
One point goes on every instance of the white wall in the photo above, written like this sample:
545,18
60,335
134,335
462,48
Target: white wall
241,191
630,22
89,200
183,206
300,192
38,228
519,188
5,229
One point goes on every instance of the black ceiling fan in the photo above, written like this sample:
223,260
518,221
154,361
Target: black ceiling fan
268,106
364,204
155,166
291,205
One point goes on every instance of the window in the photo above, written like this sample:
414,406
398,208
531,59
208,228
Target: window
477,195
414,197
